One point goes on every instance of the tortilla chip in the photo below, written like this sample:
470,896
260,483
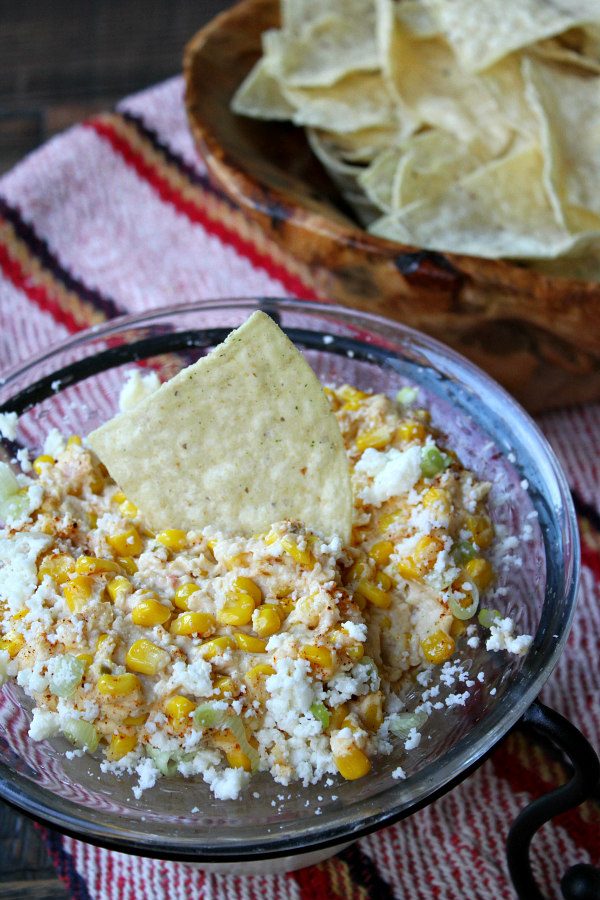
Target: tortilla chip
360,100
483,31
499,210
243,438
260,96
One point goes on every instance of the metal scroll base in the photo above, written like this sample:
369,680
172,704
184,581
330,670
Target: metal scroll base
581,882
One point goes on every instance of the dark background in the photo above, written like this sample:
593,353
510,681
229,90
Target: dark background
61,61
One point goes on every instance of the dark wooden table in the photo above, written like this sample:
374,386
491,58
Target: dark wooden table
60,62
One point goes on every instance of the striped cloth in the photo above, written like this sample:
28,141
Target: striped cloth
117,215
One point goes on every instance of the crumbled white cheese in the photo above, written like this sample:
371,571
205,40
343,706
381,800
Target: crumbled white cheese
413,739
54,443
473,642
457,699
18,570
8,425
191,679
23,460
502,637
291,692
394,473
44,724
4,663
357,631
148,773
399,773
137,388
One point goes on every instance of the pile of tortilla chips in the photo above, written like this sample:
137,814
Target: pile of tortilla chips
467,126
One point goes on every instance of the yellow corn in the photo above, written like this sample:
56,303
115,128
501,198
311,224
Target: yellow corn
438,499
128,563
118,497
355,651
145,657
58,567
285,606
118,685
355,572
320,657
480,572
458,627
407,568
411,431
243,585
41,461
188,623
438,647
237,610
381,552
12,643
353,764
74,440
173,539
426,551
371,711
21,614
179,708
376,437
120,745
236,562
383,581
92,565
271,537
128,509
183,594
237,759
374,594
77,591
217,646
304,558
135,720
266,621
249,643
482,530
127,543
119,588
149,612
86,658
255,677
101,641
388,520
351,396
225,686
338,714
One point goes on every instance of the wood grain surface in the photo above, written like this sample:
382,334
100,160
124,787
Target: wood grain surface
59,63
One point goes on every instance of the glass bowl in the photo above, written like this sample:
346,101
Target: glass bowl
75,387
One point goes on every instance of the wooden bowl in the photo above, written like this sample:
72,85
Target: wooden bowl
538,335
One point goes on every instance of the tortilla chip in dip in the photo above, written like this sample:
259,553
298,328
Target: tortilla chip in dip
243,438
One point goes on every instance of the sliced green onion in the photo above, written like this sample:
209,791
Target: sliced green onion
401,724
4,661
208,716
464,612
67,672
164,760
406,396
81,733
433,461
235,724
13,502
320,712
487,617
463,552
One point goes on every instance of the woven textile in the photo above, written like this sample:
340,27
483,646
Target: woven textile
117,215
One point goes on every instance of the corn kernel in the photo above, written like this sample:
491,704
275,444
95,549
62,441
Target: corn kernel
249,643
149,612
120,745
74,441
386,522
127,543
271,537
482,530
40,462
355,651
381,552
103,638
119,588
266,621
118,685
407,568
383,581
458,627
236,562
77,591
255,677
304,558
338,714
173,539
21,614
378,438
237,759
128,509
179,708
237,610
321,657
135,720
355,572
59,567
12,643
351,396
118,497
188,623
86,658
183,594
426,551
225,686
217,646
145,657
92,565
480,572
128,563
370,710
411,431
374,594
353,764
438,647
243,585
437,499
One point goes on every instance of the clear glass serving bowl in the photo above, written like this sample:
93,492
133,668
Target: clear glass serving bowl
75,387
